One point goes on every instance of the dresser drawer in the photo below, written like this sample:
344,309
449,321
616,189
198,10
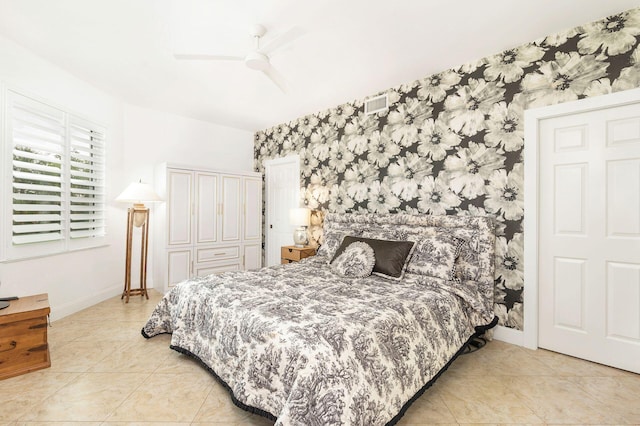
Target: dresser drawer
212,254
294,254
23,346
216,268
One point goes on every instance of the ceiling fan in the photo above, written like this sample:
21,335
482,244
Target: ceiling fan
258,58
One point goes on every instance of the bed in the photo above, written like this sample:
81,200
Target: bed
310,343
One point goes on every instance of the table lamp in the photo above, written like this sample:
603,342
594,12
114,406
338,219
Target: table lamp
300,217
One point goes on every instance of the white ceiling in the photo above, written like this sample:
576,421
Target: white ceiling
349,49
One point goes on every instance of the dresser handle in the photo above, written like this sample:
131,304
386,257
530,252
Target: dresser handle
13,345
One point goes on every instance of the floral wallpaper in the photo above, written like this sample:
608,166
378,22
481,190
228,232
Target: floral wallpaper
452,143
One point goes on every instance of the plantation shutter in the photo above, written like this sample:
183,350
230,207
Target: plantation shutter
57,164
38,136
86,192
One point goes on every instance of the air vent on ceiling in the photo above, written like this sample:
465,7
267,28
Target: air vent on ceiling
377,104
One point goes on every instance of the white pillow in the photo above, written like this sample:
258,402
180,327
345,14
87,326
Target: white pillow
356,261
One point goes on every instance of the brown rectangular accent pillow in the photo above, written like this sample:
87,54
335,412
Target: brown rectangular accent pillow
391,256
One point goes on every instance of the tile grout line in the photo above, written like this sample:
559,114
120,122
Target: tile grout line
201,405
149,375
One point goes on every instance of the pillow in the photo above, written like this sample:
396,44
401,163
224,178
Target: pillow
391,256
466,266
435,256
356,261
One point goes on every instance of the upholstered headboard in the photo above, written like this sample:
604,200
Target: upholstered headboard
476,236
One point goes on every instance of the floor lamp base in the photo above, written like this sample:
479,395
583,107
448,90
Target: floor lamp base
138,215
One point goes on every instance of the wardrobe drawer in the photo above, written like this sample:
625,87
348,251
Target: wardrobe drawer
211,254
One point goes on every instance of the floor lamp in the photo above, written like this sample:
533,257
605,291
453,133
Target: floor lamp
137,216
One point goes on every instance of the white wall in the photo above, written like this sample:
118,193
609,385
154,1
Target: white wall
153,137
79,279
137,140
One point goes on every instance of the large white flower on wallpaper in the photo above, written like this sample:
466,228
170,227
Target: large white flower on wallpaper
338,116
435,196
562,80
505,195
615,34
509,65
340,157
509,264
406,120
436,138
357,179
434,88
357,132
320,148
328,132
307,124
281,131
382,148
316,193
505,126
293,143
406,173
381,199
467,109
356,142
308,162
471,167
339,200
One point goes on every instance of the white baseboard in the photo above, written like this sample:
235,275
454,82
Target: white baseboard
508,335
61,311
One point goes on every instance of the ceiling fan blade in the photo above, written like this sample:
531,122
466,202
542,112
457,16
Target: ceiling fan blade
208,57
284,38
276,78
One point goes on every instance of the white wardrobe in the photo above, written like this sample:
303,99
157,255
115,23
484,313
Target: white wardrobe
210,222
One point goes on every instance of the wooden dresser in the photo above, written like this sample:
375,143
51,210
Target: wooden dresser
23,336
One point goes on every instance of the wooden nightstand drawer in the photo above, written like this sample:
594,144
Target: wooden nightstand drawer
23,336
290,254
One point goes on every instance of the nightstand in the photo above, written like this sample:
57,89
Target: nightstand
290,254
23,336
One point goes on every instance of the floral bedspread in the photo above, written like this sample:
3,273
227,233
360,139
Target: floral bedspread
313,348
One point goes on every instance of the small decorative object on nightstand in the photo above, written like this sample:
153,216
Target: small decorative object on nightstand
300,217
290,254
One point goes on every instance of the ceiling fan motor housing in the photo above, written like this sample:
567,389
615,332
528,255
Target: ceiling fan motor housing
257,61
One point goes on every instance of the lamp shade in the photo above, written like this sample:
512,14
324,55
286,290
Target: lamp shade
300,216
138,192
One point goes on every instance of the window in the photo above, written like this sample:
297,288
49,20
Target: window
57,160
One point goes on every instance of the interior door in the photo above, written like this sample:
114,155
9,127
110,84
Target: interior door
589,235
282,189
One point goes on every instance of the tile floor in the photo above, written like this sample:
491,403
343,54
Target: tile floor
104,372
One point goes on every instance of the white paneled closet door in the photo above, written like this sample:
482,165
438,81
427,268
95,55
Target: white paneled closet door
252,225
206,216
179,205
589,235
231,208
